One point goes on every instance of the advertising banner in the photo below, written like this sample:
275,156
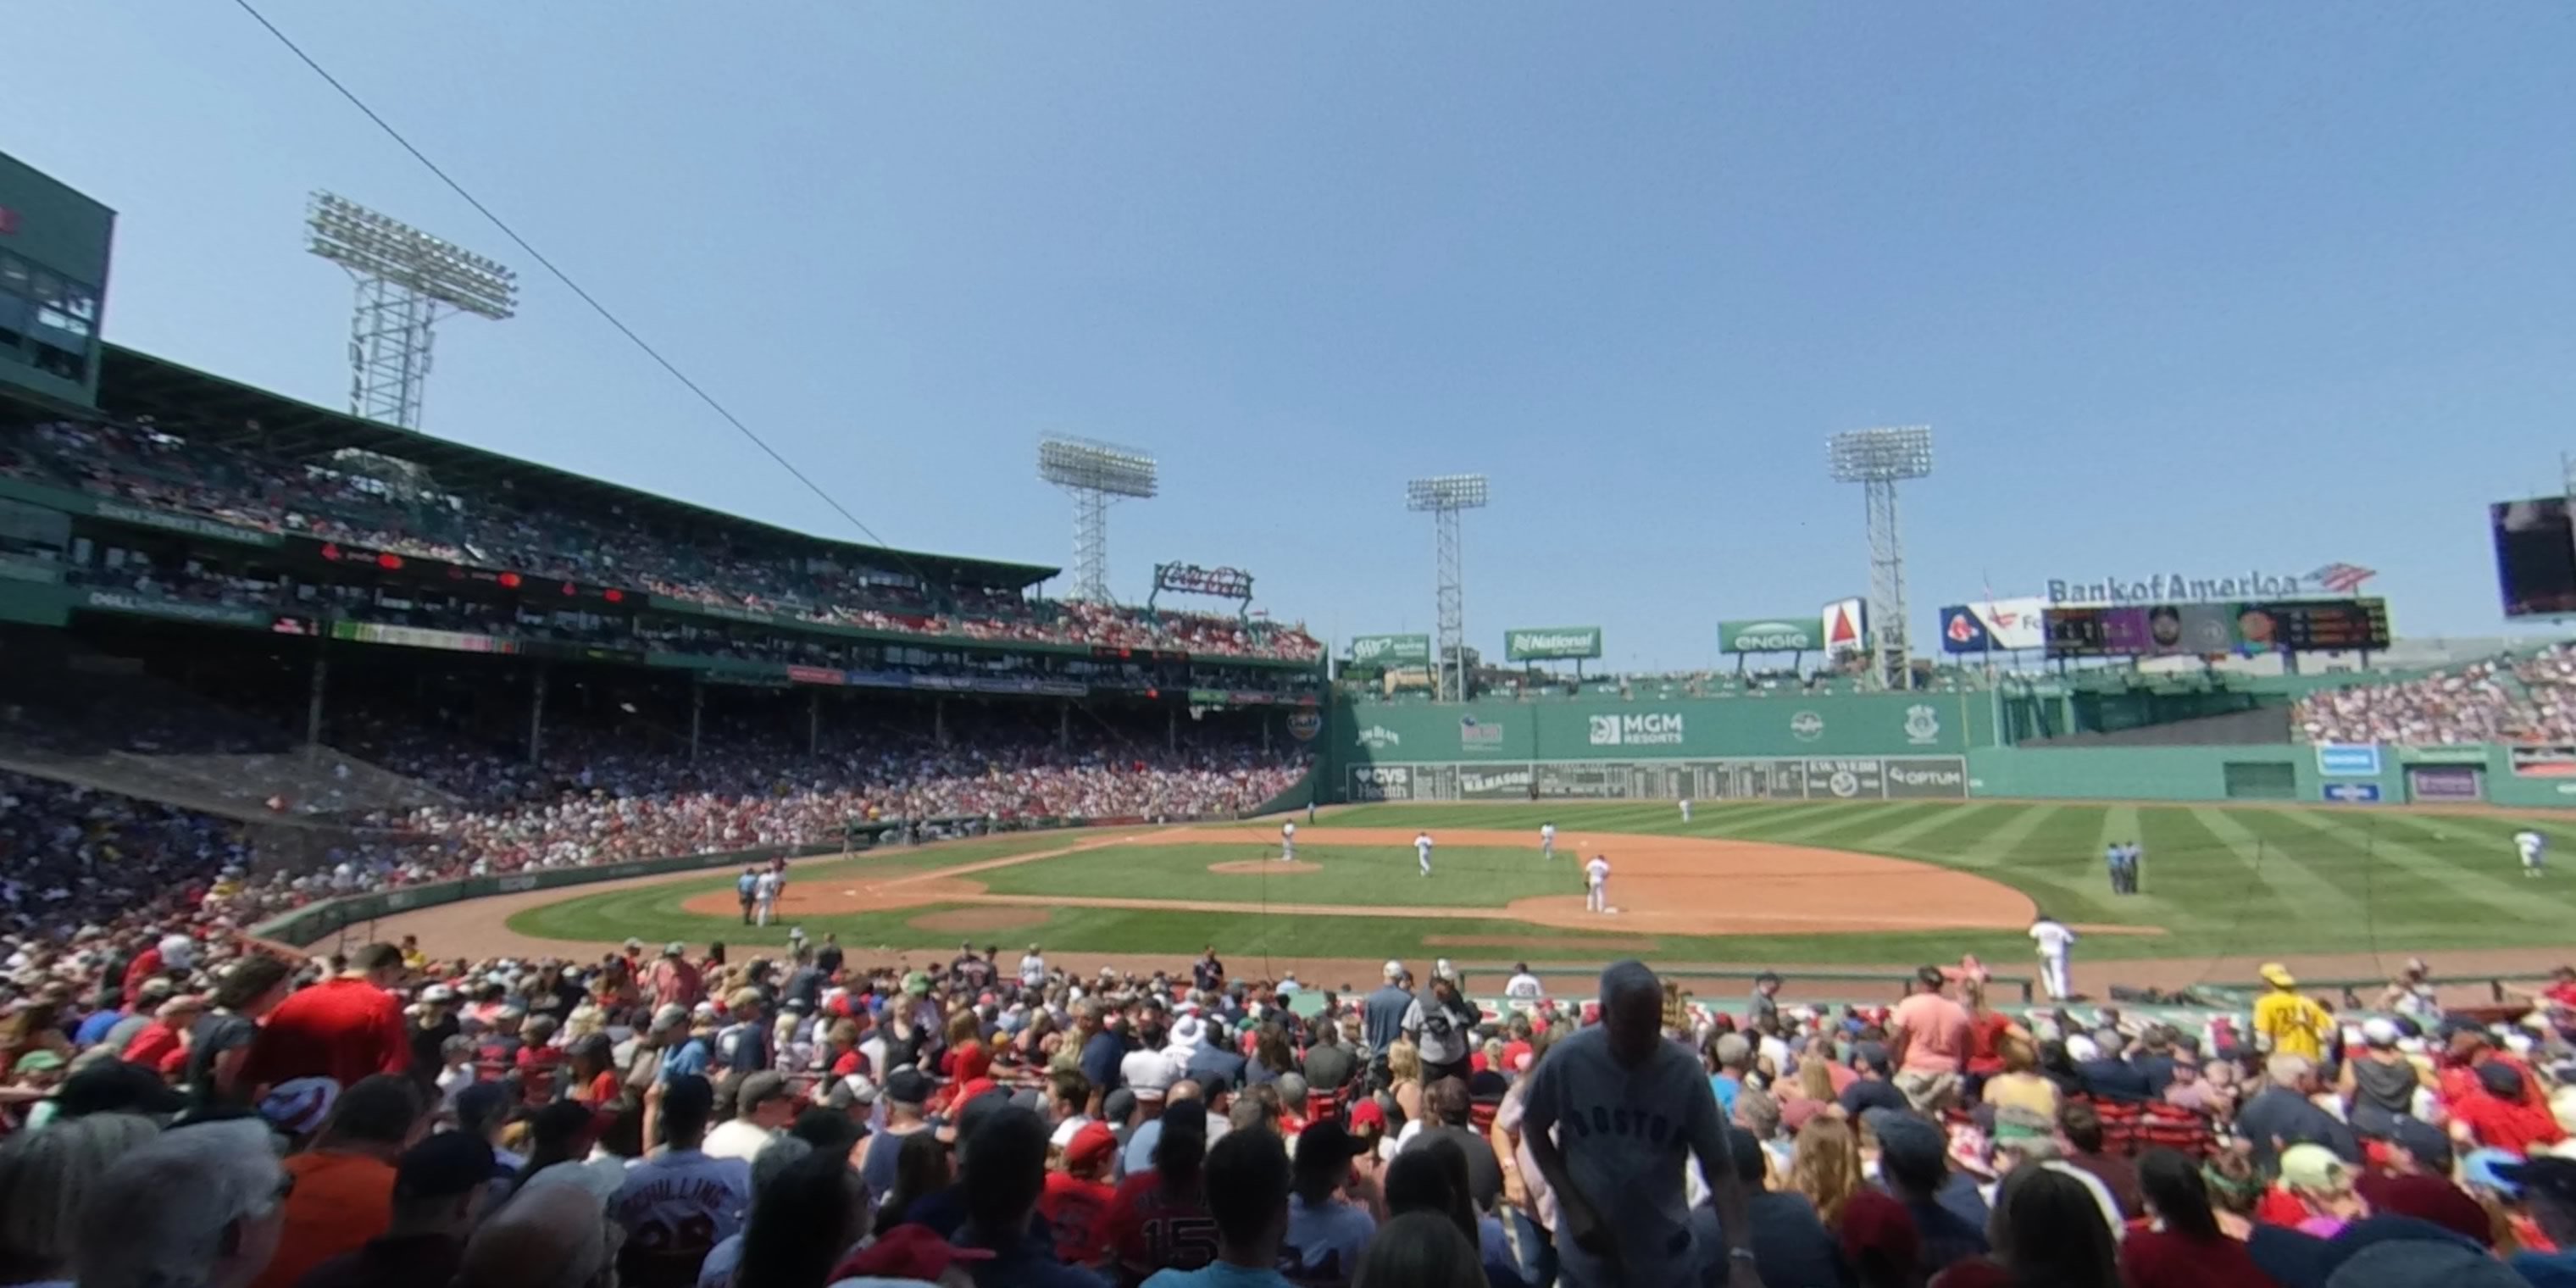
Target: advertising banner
2443,783
1390,650
1846,627
1552,643
1999,624
2548,760
1771,635
1830,779
2348,760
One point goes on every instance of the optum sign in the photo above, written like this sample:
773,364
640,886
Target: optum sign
1771,635
1552,643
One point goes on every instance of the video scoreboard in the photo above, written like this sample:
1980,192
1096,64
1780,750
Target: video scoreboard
2206,630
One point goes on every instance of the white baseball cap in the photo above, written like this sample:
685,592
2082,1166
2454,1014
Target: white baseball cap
1394,968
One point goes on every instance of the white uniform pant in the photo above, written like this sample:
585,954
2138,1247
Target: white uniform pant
1547,848
2052,976
1287,851
1685,811
1596,897
762,910
1425,857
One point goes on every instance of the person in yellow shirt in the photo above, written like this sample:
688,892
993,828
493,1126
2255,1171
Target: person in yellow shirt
2288,1022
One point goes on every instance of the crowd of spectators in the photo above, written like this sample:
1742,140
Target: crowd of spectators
380,503
800,1117
2530,699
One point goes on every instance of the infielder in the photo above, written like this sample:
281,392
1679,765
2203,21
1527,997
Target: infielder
2535,852
764,897
1287,842
1547,840
1596,884
2053,939
1422,851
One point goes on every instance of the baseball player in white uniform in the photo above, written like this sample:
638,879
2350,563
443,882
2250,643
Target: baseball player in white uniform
1547,840
1287,842
2054,940
764,897
1422,851
1596,884
1685,809
2535,851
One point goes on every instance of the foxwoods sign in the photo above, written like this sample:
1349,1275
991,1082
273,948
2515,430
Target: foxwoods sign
2163,589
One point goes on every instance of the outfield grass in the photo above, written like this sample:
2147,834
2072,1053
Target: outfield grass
2217,880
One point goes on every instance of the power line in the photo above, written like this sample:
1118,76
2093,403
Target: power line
569,284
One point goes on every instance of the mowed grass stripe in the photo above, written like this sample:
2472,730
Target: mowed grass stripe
1926,822
2436,885
1859,821
2293,882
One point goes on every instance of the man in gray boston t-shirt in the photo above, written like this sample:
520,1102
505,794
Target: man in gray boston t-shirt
1627,1108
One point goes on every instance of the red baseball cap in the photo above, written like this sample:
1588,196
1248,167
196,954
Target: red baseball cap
907,1252
1091,1143
1365,1113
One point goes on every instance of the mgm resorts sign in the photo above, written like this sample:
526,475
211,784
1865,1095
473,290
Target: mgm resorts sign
2164,589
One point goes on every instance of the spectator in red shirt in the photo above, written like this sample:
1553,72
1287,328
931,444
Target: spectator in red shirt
343,1028
2496,1114
675,982
2184,1248
173,952
1078,1192
1158,1219
158,1046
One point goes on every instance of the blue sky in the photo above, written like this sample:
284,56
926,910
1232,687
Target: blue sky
2184,288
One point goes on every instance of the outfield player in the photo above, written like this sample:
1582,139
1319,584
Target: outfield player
1288,842
1422,850
1547,840
1596,884
1686,809
2055,941
2535,851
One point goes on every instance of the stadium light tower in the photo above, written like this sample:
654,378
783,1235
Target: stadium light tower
405,279
1096,474
1878,459
1443,497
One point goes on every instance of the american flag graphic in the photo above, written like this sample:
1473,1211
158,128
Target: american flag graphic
2342,578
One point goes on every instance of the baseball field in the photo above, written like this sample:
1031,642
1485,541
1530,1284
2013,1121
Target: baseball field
1818,883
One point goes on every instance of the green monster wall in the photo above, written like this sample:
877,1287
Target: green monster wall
1862,746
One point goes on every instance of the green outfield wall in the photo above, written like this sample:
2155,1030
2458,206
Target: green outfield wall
1870,747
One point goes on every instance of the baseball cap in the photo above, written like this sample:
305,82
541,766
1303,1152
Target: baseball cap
1091,1143
1392,969
1366,1113
2410,1263
113,1087
2430,1198
852,1090
2277,975
2425,1141
674,948
2486,1168
1327,1142
907,1252
766,1085
973,1112
917,984
907,1086
2555,1177
2500,1080
437,993
443,1166
2379,1032
1149,1078
298,1106
1444,969
2314,1167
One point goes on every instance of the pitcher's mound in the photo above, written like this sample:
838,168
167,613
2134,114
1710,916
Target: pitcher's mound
1252,867
978,920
